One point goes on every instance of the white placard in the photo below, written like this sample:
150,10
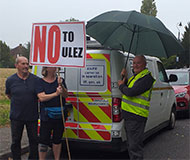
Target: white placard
92,75
58,44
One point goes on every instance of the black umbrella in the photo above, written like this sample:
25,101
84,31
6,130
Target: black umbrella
133,32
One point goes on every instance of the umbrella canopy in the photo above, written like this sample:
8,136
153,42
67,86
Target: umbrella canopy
133,32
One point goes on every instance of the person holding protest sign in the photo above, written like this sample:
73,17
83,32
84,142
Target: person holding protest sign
20,88
49,89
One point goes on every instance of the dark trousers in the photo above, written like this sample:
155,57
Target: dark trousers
46,128
16,131
135,131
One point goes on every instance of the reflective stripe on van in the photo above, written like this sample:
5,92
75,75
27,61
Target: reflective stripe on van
163,88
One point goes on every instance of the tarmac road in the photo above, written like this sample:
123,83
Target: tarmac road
165,145
170,144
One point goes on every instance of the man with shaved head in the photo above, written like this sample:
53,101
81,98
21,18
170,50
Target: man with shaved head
20,88
135,104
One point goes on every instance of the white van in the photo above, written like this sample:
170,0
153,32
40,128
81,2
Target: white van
95,120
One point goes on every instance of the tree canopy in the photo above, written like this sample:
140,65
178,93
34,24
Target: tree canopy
149,7
6,60
184,58
27,50
71,20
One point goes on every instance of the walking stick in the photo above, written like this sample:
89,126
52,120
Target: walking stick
63,118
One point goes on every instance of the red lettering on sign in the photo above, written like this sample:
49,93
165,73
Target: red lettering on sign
54,33
39,44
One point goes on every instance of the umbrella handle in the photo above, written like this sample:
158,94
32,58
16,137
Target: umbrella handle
122,47
130,45
123,53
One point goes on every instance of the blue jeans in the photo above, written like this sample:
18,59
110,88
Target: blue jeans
16,131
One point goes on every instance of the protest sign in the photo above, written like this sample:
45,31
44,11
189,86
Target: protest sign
58,44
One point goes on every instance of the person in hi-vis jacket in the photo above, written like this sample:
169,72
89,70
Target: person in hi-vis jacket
136,92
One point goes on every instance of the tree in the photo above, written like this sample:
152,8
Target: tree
185,56
71,20
27,50
169,63
149,7
6,60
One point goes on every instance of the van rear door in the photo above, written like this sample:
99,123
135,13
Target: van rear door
90,96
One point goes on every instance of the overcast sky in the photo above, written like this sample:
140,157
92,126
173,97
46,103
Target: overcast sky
17,16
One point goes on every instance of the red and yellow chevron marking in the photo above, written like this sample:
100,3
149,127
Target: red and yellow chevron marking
89,116
71,129
71,133
95,114
95,135
88,131
81,100
91,113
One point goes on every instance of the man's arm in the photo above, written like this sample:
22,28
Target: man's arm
140,86
7,89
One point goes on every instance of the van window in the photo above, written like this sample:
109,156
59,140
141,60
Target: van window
183,78
150,67
162,73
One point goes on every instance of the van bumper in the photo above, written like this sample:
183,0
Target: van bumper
116,145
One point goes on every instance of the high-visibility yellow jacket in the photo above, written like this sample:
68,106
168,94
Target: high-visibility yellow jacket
140,104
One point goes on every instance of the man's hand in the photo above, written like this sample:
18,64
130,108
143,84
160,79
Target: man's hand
59,90
120,82
62,90
124,73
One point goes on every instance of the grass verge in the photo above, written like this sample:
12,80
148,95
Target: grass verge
4,112
4,101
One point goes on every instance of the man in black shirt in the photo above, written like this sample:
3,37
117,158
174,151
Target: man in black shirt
20,88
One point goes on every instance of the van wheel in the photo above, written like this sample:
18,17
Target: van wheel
172,119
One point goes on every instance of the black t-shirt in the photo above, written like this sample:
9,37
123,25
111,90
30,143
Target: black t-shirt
48,88
24,101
